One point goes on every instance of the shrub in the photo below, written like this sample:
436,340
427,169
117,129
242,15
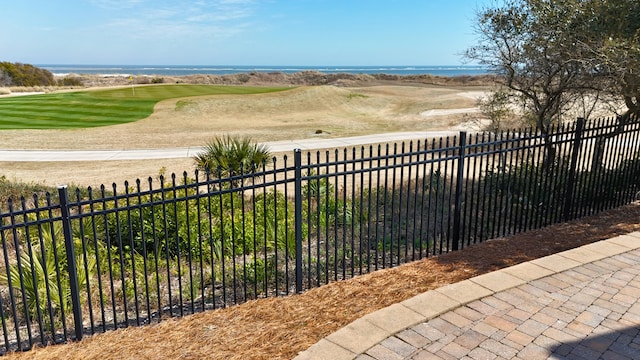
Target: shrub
5,78
41,272
158,231
497,108
15,190
70,81
228,156
217,226
243,77
275,222
24,75
141,80
328,207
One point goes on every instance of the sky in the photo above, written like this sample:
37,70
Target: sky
238,32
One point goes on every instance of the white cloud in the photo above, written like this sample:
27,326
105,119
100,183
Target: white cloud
174,19
116,4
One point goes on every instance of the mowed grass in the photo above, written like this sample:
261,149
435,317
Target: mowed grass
83,109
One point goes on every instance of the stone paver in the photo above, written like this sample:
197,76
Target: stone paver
578,304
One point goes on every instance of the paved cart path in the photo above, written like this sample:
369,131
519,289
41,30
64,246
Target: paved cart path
186,152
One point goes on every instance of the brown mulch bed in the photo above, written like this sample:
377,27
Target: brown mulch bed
279,328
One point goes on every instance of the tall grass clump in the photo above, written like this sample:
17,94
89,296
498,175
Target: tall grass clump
227,156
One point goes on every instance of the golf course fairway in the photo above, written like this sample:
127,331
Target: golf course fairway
84,109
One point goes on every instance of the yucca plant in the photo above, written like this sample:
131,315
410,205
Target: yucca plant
42,273
228,156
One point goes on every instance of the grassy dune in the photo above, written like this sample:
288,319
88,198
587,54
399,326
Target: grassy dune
84,109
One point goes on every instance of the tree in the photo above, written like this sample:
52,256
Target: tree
552,54
522,43
229,156
609,38
496,106
545,47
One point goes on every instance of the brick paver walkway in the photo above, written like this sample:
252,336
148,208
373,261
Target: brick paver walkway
577,304
588,312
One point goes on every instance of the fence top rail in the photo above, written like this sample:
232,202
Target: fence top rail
25,208
182,185
21,219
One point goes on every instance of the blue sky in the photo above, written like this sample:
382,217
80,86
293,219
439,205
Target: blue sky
237,32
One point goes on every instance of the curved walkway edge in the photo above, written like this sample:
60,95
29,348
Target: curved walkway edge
580,303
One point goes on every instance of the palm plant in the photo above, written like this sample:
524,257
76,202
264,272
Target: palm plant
41,273
228,156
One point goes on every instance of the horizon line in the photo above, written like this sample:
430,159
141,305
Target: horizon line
254,65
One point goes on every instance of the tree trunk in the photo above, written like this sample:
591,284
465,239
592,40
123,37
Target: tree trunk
598,154
597,159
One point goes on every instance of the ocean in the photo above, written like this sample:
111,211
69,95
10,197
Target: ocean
176,70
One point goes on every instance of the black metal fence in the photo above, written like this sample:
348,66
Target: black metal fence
91,260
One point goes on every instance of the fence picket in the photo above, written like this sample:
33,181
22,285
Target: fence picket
71,261
457,215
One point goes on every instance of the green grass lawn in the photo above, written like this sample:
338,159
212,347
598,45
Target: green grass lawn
84,109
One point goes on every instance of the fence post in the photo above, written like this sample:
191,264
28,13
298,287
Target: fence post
577,144
457,215
297,160
71,261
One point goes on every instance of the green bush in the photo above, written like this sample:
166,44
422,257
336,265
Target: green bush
228,156
216,226
328,208
158,230
25,75
276,222
42,271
